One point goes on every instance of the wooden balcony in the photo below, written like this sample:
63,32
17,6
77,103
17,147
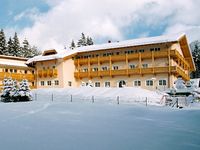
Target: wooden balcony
136,71
129,57
48,73
17,76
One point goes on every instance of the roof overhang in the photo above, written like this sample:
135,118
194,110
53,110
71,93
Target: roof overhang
187,52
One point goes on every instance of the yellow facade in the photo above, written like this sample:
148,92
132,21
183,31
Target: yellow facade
15,68
153,65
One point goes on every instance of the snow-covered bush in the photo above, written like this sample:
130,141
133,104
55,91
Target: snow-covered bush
24,93
7,88
13,93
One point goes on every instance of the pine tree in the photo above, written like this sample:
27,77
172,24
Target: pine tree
89,41
73,45
14,93
195,46
7,88
16,46
82,41
3,49
25,49
34,52
10,47
24,91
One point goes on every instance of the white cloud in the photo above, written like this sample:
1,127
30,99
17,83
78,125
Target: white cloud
29,13
106,19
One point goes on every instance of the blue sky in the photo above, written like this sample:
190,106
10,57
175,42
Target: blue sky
54,23
9,9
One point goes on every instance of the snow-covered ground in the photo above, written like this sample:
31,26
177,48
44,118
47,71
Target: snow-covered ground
108,95
103,125
47,125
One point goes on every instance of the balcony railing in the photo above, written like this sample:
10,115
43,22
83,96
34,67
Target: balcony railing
146,55
17,76
113,58
136,71
48,73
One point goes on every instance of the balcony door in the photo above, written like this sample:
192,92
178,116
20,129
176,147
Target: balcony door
122,84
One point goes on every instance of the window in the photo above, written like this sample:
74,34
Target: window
151,49
107,84
132,66
149,82
115,67
15,70
11,70
117,53
95,69
43,68
56,82
162,82
33,72
104,68
42,83
97,84
157,49
69,83
6,70
145,65
49,83
33,83
25,71
137,83
141,50
85,70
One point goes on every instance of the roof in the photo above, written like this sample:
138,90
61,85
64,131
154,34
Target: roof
59,55
14,57
13,61
121,44
133,42
13,64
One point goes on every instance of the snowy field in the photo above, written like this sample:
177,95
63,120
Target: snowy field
83,125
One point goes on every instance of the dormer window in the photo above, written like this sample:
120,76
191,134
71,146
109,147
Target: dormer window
49,52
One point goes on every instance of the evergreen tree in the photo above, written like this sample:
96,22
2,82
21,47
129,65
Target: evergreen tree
34,52
195,46
14,93
16,46
3,49
73,45
24,91
89,41
7,88
82,41
25,49
10,47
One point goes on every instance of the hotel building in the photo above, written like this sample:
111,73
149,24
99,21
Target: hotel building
150,63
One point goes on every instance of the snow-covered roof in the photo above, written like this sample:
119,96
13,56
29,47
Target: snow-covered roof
133,42
59,55
13,64
121,44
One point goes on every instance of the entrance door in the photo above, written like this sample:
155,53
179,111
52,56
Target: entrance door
122,83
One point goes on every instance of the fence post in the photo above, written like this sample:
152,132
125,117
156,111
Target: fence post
92,99
177,103
71,98
35,96
146,101
117,99
52,97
